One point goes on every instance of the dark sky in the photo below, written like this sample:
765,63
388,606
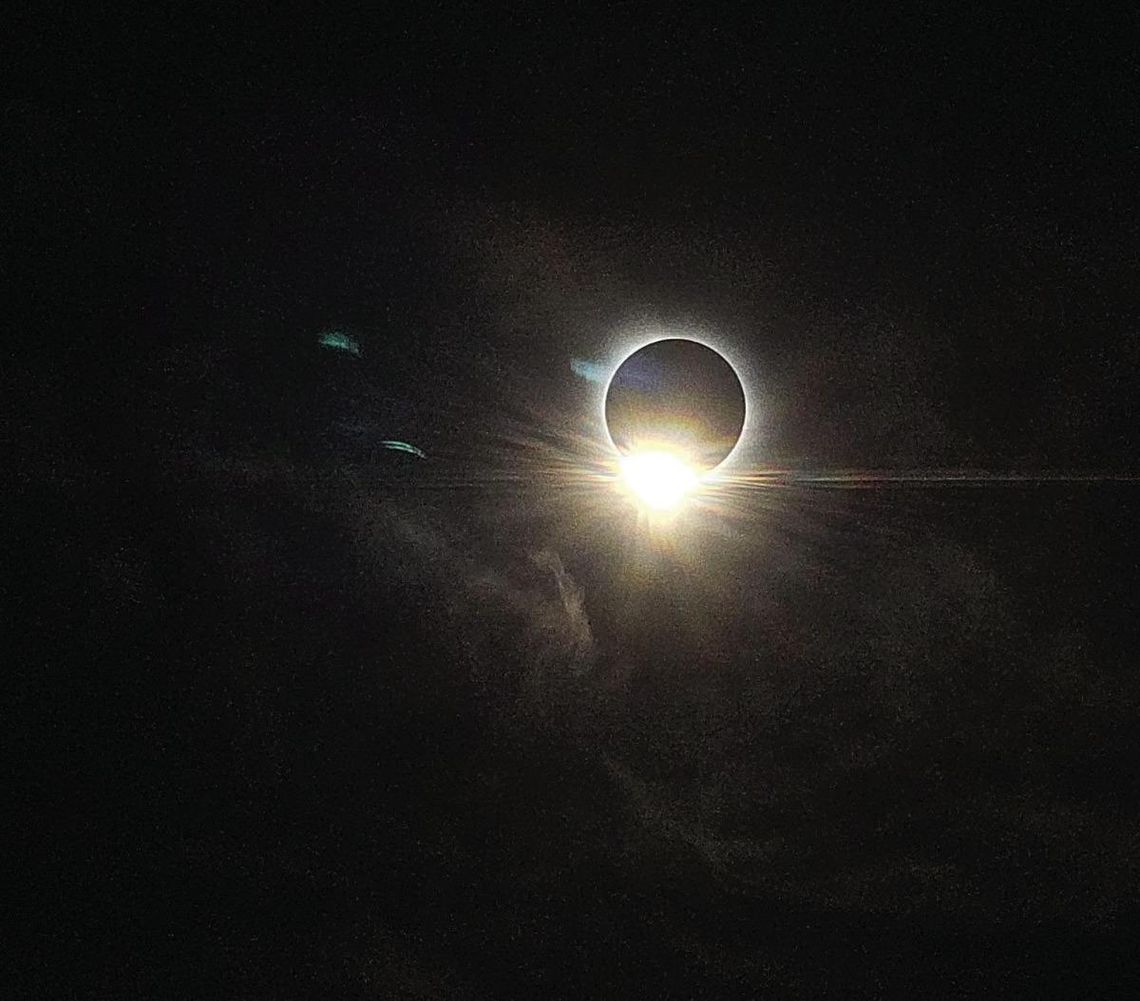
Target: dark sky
298,715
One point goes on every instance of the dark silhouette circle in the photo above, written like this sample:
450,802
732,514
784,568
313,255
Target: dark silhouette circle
678,396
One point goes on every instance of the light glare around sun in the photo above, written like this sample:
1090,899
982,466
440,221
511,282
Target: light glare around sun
658,480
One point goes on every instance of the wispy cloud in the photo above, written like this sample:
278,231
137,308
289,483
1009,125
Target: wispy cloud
572,641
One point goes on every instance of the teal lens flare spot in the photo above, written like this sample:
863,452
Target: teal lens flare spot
338,340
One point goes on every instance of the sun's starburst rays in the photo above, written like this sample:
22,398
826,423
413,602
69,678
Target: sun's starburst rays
653,512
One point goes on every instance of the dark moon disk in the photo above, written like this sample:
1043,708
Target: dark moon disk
678,396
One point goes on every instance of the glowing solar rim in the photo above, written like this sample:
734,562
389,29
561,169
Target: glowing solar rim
659,480
712,345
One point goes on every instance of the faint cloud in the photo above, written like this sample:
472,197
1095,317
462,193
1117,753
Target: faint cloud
569,628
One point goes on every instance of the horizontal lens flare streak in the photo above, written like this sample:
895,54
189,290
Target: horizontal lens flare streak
869,479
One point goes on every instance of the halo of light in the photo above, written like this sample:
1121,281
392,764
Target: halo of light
680,396
651,334
659,480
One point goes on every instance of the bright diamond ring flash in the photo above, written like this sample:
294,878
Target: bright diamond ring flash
659,480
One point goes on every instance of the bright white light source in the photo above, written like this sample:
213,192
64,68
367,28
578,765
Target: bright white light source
659,480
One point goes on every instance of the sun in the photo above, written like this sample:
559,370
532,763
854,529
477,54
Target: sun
675,410
659,480
677,394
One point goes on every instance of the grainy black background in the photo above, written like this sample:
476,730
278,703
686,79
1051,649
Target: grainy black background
292,715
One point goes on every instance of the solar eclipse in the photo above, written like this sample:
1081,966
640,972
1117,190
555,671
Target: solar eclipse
674,409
